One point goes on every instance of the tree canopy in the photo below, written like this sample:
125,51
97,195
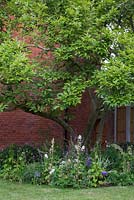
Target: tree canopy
83,45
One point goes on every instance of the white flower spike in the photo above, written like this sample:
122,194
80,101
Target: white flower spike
79,137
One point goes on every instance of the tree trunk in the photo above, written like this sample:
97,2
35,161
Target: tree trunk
90,128
101,128
94,115
66,138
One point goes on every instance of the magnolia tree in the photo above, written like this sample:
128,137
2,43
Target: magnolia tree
83,45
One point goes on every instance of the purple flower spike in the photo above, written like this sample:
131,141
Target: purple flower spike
88,162
104,173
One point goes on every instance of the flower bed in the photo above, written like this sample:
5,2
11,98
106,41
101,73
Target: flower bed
76,169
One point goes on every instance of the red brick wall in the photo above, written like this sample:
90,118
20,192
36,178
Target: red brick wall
121,125
24,128
80,114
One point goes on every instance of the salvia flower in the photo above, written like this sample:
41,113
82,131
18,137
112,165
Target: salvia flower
88,162
104,173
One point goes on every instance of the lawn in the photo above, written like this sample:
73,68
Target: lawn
12,191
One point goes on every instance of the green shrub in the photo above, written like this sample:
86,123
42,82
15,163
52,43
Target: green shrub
32,154
125,146
70,173
32,173
14,159
121,168
123,178
120,159
12,169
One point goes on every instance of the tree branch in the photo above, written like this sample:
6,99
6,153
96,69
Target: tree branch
50,116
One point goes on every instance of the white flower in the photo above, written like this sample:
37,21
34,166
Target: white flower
76,160
83,148
79,137
52,171
63,162
46,156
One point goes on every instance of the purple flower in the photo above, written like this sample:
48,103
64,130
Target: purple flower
104,173
88,162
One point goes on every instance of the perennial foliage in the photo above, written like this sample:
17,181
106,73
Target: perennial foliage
77,169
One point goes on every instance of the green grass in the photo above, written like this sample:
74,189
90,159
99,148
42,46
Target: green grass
12,191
